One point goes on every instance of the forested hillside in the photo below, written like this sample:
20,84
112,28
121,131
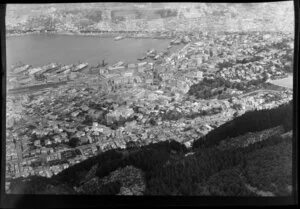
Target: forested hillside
263,168
249,122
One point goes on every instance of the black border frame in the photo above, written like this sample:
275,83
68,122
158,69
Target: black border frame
50,201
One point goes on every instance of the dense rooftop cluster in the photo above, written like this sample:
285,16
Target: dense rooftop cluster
177,96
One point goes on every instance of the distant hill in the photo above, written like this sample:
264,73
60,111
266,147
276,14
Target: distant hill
272,16
260,168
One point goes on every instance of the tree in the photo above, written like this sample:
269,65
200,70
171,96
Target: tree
153,122
74,142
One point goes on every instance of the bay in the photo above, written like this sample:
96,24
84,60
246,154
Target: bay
37,50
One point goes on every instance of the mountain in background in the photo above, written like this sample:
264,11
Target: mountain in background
272,16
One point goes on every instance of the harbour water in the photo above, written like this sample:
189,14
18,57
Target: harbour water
39,50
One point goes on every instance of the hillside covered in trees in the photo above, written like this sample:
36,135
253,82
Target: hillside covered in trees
263,168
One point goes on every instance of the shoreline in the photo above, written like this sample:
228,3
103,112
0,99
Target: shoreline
93,37
104,35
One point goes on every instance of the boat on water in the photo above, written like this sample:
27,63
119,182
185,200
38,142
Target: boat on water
152,55
21,69
40,76
151,51
67,71
176,41
80,67
25,80
64,68
119,38
158,56
32,71
48,68
118,64
169,47
142,58
131,65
